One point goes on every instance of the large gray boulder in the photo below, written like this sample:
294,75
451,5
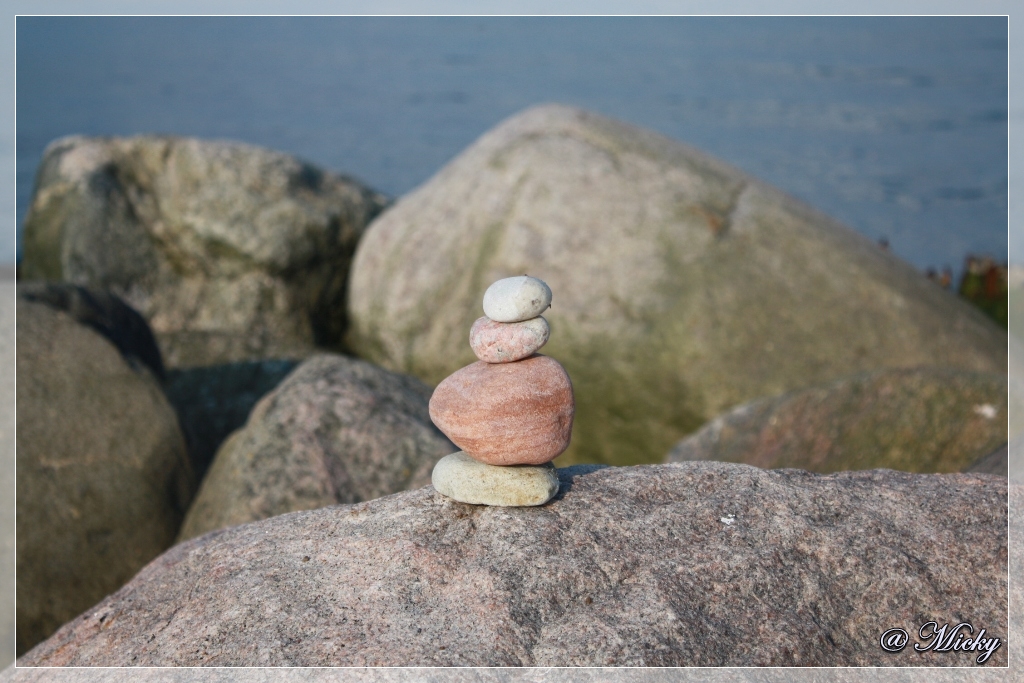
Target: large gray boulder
337,430
711,564
103,474
920,420
230,251
682,287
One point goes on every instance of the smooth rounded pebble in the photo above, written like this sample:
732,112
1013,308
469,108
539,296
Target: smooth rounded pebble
507,413
466,480
495,342
515,299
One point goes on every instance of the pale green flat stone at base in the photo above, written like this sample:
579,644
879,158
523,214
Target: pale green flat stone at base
466,480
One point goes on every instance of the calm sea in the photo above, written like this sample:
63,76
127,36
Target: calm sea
896,126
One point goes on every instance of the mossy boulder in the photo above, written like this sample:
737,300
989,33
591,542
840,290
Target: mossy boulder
682,287
920,420
230,251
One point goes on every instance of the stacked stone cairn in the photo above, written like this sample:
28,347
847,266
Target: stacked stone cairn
510,412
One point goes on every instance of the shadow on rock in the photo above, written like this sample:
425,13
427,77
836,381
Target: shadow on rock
213,401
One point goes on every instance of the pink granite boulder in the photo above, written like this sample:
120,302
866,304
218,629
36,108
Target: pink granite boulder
626,566
495,342
507,413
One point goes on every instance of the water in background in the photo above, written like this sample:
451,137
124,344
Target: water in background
895,126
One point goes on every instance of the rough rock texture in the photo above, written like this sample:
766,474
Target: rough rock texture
231,252
337,430
682,286
495,342
923,420
103,475
466,480
690,563
212,401
509,413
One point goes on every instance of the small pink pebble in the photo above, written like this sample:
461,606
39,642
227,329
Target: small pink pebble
495,342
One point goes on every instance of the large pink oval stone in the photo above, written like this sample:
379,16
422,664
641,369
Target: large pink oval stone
495,342
509,413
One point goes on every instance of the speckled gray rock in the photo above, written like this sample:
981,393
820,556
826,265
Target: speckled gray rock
683,286
230,251
690,563
103,475
336,430
514,299
921,420
466,480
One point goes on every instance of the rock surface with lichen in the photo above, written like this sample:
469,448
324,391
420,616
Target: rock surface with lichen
231,252
697,563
